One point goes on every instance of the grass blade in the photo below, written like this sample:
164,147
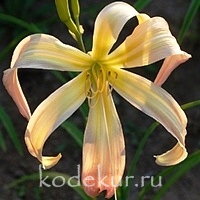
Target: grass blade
141,4
74,131
124,191
52,175
177,172
191,12
174,173
7,123
2,143
191,105
59,76
7,49
131,171
20,23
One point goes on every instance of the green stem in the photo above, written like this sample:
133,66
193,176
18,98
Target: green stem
126,190
80,42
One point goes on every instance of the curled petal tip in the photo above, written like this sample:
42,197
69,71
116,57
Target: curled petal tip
48,162
170,63
172,157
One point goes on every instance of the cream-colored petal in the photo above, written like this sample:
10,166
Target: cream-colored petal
108,25
150,41
169,64
173,156
47,52
51,113
153,101
103,149
12,85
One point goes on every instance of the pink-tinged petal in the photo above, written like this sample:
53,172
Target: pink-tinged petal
108,25
169,64
155,102
12,85
50,114
43,51
150,41
103,149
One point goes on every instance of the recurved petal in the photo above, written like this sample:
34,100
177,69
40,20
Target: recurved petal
108,25
103,149
173,156
43,51
169,64
155,102
12,85
150,41
50,114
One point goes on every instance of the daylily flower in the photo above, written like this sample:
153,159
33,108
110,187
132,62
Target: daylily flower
101,71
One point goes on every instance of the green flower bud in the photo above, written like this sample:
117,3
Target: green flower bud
75,8
62,7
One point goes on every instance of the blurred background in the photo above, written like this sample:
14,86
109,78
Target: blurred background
21,18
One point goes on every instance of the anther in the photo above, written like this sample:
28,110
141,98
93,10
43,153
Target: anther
111,82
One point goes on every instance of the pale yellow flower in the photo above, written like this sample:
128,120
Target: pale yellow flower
100,72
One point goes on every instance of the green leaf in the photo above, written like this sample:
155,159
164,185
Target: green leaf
2,143
141,4
191,12
126,190
192,104
4,18
7,123
52,175
74,131
9,47
59,76
172,174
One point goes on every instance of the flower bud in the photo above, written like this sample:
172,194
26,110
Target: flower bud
62,7
75,8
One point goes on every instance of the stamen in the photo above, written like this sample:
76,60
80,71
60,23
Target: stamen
95,102
99,76
115,194
97,82
91,93
87,84
102,80
110,82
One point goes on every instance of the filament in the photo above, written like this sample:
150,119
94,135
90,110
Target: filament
112,83
98,80
92,105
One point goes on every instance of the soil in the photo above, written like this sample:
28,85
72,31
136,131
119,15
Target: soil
183,84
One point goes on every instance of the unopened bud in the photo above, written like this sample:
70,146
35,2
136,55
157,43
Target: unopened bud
62,7
75,8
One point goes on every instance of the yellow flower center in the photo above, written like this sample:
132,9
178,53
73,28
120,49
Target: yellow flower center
98,81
